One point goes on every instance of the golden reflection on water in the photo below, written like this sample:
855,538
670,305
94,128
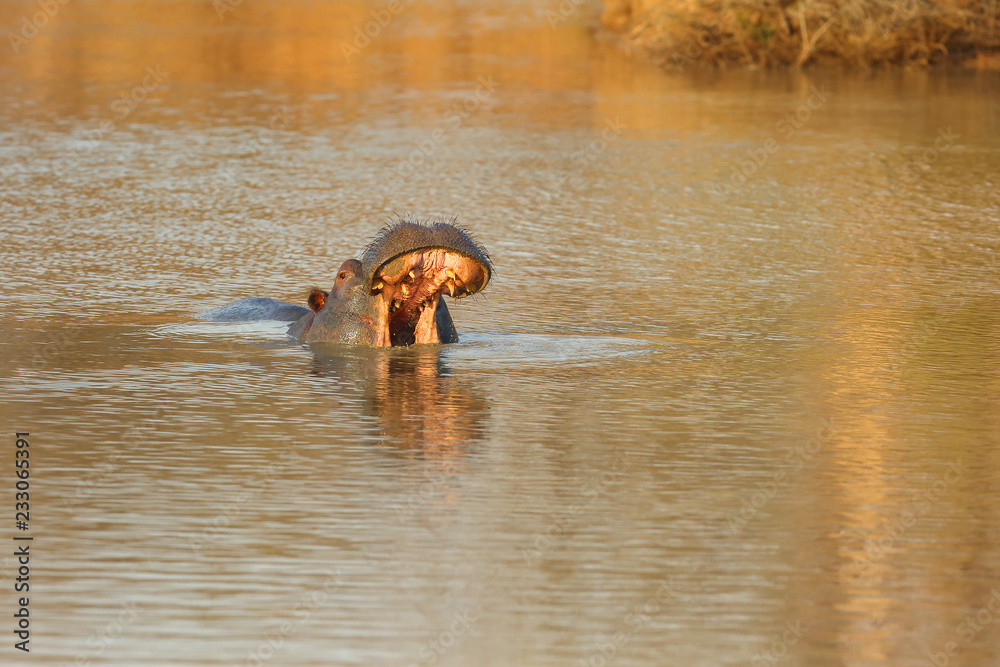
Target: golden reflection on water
895,496
292,49
416,402
858,389
297,49
635,313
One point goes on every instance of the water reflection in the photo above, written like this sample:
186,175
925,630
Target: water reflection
411,401
635,316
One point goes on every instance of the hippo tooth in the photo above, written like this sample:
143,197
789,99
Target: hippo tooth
404,288
451,288
449,273
412,275
379,285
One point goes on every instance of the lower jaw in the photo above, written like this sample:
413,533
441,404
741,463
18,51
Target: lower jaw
423,332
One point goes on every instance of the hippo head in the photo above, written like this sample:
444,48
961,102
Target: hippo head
393,296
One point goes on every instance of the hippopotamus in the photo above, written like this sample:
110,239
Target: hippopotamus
256,308
317,297
390,297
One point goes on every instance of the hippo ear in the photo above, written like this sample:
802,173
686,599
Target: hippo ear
317,299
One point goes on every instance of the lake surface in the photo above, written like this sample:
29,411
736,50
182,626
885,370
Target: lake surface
731,399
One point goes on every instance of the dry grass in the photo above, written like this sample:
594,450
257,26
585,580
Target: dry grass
766,33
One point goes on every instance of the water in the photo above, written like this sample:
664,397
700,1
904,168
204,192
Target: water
700,417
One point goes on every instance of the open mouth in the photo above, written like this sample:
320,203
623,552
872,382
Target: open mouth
409,287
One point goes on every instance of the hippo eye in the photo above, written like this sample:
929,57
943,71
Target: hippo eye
343,275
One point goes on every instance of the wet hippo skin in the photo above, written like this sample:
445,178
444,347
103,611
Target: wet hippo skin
393,296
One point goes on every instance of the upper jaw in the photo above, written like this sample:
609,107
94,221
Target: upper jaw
408,288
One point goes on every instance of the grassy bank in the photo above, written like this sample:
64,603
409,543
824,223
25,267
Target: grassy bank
767,33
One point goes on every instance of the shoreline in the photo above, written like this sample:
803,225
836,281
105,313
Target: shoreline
849,34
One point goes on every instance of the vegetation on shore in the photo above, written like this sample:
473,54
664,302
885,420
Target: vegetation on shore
768,33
